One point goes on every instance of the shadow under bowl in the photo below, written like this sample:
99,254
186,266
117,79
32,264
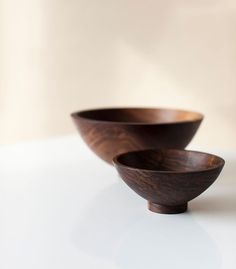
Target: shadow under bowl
112,131
168,179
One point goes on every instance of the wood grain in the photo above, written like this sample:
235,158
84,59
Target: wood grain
109,132
168,179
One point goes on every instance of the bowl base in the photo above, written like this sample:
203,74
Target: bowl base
162,209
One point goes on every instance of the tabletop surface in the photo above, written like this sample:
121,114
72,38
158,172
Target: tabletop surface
62,207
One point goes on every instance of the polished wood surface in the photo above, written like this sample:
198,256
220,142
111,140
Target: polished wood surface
168,179
109,132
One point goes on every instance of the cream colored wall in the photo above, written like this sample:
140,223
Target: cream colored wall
60,56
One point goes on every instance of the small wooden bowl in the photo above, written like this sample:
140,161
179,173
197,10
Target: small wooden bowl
168,179
109,132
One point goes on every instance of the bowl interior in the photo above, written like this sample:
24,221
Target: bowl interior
139,115
169,160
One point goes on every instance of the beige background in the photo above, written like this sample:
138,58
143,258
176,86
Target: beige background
60,56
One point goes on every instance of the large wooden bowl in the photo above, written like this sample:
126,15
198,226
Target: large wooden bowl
168,179
109,132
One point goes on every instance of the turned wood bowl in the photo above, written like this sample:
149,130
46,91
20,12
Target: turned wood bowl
168,179
109,132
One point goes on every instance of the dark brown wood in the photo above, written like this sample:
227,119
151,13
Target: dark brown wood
109,132
167,209
168,179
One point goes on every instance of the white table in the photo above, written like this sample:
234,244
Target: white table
61,207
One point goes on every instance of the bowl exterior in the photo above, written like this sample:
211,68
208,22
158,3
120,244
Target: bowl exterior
110,139
169,189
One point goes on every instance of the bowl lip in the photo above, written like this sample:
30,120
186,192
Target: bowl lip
79,115
116,162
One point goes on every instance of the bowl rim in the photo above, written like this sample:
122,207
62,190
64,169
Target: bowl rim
79,115
117,163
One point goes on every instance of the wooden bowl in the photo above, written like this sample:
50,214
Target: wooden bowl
109,132
168,179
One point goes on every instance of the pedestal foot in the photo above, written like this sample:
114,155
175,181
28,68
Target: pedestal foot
162,209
